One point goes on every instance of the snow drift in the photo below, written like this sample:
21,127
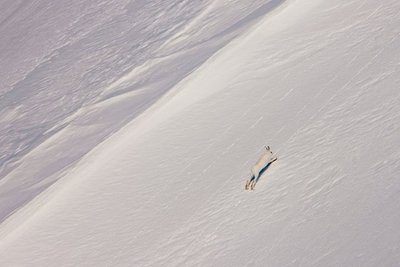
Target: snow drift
162,185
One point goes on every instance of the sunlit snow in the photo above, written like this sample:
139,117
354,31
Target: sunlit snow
128,129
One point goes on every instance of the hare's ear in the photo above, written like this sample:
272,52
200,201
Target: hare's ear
268,148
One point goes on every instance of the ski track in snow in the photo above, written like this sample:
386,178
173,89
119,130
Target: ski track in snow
316,80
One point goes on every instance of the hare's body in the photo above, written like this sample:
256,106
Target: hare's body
267,158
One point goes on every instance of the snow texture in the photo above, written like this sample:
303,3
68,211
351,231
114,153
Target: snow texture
128,129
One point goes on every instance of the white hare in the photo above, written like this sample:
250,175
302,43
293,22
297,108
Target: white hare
267,158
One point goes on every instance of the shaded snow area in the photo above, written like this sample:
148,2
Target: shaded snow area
128,129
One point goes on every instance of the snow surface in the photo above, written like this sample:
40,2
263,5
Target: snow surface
128,129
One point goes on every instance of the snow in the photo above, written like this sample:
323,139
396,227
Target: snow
129,129
87,69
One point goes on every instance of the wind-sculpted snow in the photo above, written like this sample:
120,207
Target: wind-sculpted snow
74,73
317,80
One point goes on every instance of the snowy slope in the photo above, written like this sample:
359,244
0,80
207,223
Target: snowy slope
73,73
316,80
